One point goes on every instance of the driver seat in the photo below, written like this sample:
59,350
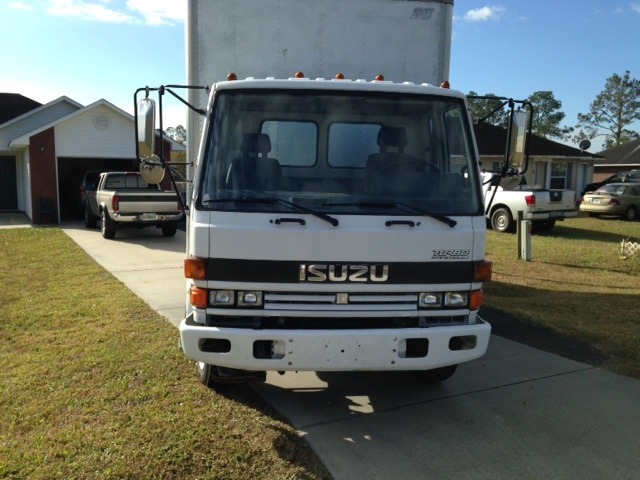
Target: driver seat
254,170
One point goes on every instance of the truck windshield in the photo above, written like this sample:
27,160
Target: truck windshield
339,153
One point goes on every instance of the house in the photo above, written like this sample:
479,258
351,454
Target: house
617,159
551,165
45,150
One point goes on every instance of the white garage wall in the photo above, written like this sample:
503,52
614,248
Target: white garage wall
96,132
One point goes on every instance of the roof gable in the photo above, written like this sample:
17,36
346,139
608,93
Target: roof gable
13,105
23,140
36,118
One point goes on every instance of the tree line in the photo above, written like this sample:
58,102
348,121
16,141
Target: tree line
612,113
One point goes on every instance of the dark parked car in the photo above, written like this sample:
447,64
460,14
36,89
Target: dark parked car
630,176
89,181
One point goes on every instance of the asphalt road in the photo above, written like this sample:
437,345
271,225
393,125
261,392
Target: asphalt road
517,413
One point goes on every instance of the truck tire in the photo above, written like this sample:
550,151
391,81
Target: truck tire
169,229
205,374
437,375
107,227
630,214
90,220
216,377
501,220
543,226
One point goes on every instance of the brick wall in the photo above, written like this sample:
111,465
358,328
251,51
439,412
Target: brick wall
42,155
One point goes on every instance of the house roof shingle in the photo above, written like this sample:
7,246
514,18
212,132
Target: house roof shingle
13,105
626,154
492,141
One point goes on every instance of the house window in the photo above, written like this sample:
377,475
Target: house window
558,175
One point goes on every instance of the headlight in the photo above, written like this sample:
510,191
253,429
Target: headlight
430,300
443,300
249,299
456,299
222,297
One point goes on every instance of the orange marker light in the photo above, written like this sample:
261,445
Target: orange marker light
483,271
476,299
340,76
299,75
198,297
195,268
232,76
379,78
445,84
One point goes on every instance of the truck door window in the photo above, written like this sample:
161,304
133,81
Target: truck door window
457,146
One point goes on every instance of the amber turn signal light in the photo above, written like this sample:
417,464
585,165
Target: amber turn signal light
195,268
483,271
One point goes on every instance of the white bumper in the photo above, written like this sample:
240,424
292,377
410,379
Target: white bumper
335,350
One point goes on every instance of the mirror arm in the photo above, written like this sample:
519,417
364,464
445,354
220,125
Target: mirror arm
505,164
178,97
525,104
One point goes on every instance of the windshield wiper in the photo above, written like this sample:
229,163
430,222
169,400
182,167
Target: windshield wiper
404,206
273,200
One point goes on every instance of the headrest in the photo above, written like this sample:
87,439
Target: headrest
392,137
255,143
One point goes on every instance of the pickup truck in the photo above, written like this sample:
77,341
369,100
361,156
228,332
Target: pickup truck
540,205
124,199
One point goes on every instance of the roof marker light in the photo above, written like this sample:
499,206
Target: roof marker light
379,78
299,75
232,76
445,84
339,76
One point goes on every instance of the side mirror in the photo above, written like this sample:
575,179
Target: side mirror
146,113
517,143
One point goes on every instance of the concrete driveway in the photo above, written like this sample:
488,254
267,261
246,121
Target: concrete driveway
517,413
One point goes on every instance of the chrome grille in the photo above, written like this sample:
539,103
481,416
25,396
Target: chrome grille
340,301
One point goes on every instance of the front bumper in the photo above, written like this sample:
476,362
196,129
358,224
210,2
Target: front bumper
335,350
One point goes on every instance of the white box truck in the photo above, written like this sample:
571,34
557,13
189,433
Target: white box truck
336,218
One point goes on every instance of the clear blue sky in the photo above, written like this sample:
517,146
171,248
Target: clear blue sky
93,49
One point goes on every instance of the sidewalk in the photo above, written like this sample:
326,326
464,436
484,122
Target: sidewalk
14,220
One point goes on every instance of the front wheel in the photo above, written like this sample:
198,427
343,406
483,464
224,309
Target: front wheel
437,375
630,214
107,227
205,372
213,376
501,220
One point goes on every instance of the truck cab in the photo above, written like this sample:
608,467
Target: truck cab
334,225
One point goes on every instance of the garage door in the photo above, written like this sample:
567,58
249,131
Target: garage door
70,173
8,184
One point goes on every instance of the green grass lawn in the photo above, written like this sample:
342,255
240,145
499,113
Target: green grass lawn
576,284
92,384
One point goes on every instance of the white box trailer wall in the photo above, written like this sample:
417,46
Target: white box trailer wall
402,40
